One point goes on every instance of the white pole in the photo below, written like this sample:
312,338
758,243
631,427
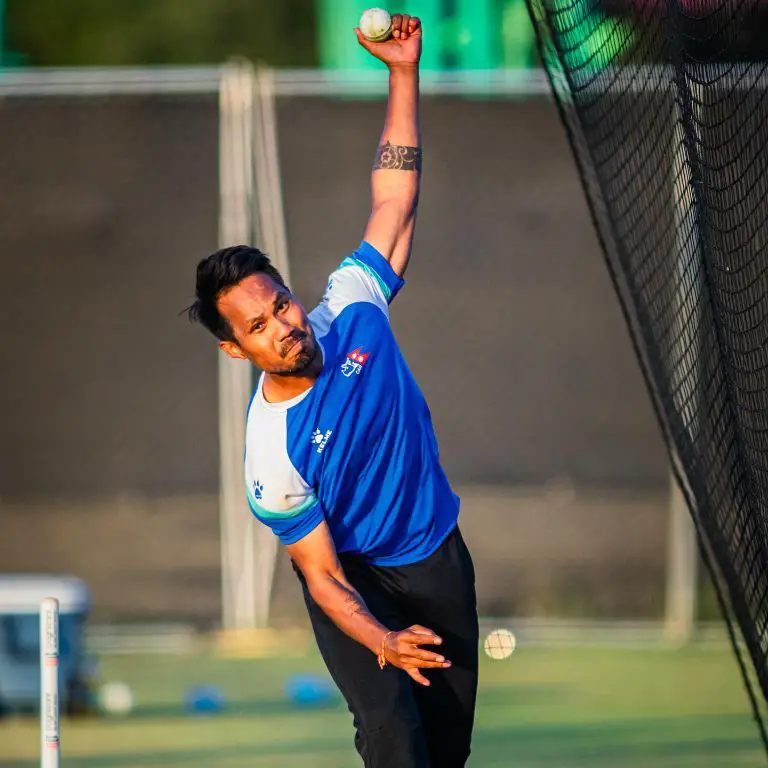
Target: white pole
235,383
682,549
49,683
270,231
682,570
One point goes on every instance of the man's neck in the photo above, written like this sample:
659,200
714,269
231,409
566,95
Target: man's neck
278,389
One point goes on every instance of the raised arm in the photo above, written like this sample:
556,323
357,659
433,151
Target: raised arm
396,175
315,556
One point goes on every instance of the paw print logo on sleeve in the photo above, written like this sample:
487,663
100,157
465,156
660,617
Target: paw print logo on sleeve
320,439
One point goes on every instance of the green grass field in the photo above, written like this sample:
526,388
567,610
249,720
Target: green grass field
540,708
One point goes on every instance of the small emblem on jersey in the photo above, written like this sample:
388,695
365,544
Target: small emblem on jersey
328,289
320,439
354,362
258,489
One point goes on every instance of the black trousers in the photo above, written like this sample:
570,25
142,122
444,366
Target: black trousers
399,723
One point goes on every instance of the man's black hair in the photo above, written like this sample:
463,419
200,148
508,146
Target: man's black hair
218,273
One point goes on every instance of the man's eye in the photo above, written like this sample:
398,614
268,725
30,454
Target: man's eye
256,327
283,304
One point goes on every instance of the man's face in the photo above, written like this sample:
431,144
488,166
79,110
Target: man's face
271,328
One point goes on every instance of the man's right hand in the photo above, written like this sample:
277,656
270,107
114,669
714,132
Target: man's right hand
403,48
315,556
401,649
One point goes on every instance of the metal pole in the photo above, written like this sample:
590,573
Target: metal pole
235,377
682,550
270,231
682,570
49,683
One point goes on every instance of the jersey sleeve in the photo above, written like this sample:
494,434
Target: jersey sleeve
278,495
364,276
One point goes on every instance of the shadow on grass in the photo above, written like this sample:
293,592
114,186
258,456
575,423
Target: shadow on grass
506,695
282,706
198,756
610,743
257,707
614,742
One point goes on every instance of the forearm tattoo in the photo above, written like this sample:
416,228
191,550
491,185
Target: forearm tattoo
396,157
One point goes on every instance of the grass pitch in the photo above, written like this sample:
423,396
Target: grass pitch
540,708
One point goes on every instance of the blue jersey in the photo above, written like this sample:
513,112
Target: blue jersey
357,449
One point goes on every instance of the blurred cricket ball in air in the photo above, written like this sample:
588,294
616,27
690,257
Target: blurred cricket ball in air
376,25
499,644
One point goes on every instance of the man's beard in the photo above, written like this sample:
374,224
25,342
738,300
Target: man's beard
303,359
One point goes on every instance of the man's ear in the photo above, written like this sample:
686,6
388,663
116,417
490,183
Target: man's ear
230,348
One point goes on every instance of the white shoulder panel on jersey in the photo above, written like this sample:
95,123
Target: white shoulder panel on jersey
351,283
275,489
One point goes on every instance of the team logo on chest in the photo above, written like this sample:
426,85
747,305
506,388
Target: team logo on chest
354,363
320,439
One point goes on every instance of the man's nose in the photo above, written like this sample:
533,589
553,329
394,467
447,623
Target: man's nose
282,329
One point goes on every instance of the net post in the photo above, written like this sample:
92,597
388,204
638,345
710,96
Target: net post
235,377
682,545
49,683
681,578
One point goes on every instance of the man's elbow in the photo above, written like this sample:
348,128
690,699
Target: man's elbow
321,584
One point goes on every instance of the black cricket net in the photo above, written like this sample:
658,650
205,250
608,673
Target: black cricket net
666,108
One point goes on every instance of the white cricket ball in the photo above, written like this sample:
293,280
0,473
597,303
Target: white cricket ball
376,25
115,699
499,644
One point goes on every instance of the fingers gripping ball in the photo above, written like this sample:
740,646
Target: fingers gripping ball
499,644
376,25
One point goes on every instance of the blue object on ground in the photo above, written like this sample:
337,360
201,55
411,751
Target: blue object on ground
311,690
204,700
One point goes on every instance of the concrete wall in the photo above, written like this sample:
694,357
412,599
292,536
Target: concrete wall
108,429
